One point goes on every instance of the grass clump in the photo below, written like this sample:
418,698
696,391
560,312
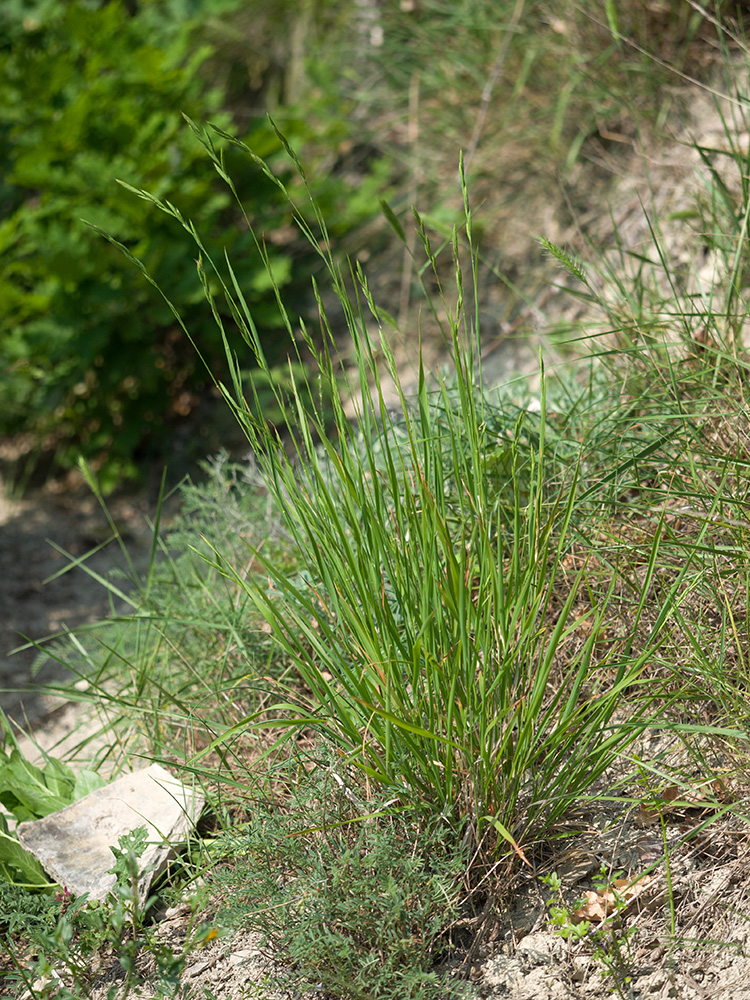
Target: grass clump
430,612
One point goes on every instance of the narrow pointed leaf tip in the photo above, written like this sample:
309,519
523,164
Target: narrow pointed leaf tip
392,219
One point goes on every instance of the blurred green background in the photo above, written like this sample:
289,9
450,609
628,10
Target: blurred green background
377,98
91,359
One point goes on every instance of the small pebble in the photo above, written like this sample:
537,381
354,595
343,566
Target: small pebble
244,956
195,970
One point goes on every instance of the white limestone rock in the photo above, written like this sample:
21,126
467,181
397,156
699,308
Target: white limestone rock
73,844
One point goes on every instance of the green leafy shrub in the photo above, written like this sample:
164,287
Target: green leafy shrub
91,360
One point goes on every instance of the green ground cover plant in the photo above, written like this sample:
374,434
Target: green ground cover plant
365,912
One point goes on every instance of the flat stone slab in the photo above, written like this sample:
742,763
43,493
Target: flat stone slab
73,844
